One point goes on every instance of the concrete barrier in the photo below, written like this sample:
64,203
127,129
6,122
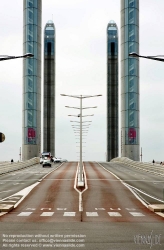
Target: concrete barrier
10,167
145,166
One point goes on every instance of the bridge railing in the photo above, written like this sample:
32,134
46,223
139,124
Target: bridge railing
10,167
145,166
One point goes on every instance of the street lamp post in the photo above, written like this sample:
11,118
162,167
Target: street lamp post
156,58
81,183
6,57
80,115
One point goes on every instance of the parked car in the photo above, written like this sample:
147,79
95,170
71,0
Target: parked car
58,160
46,162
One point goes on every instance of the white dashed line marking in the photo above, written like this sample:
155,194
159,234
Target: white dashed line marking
61,208
18,183
136,214
69,213
47,214
24,214
115,208
101,208
115,214
91,213
46,208
29,208
5,191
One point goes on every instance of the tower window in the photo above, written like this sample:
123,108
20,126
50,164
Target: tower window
112,48
49,48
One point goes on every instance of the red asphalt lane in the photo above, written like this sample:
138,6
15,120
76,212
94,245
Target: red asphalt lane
55,195
56,200
106,194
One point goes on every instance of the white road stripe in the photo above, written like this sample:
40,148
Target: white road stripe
92,214
116,214
5,191
69,213
24,214
115,208
136,214
46,208
47,214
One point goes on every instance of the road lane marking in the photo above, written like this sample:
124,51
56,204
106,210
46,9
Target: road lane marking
69,213
115,208
24,214
130,209
29,208
17,183
75,187
61,208
92,214
14,197
115,214
101,208
136,214
8,201
47,214
5,191
46,208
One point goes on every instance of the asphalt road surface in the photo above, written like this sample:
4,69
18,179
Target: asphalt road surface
149,183
112,217
15,181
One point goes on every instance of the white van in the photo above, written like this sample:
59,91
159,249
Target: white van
43,155
46,162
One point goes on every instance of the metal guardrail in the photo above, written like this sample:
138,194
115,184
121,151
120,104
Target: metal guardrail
145,166
10,167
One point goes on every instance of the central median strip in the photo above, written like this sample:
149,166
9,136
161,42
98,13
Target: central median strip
77,188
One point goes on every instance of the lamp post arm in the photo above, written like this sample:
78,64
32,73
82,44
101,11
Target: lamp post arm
27,55
134,54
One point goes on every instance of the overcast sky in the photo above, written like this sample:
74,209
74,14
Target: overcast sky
81,69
